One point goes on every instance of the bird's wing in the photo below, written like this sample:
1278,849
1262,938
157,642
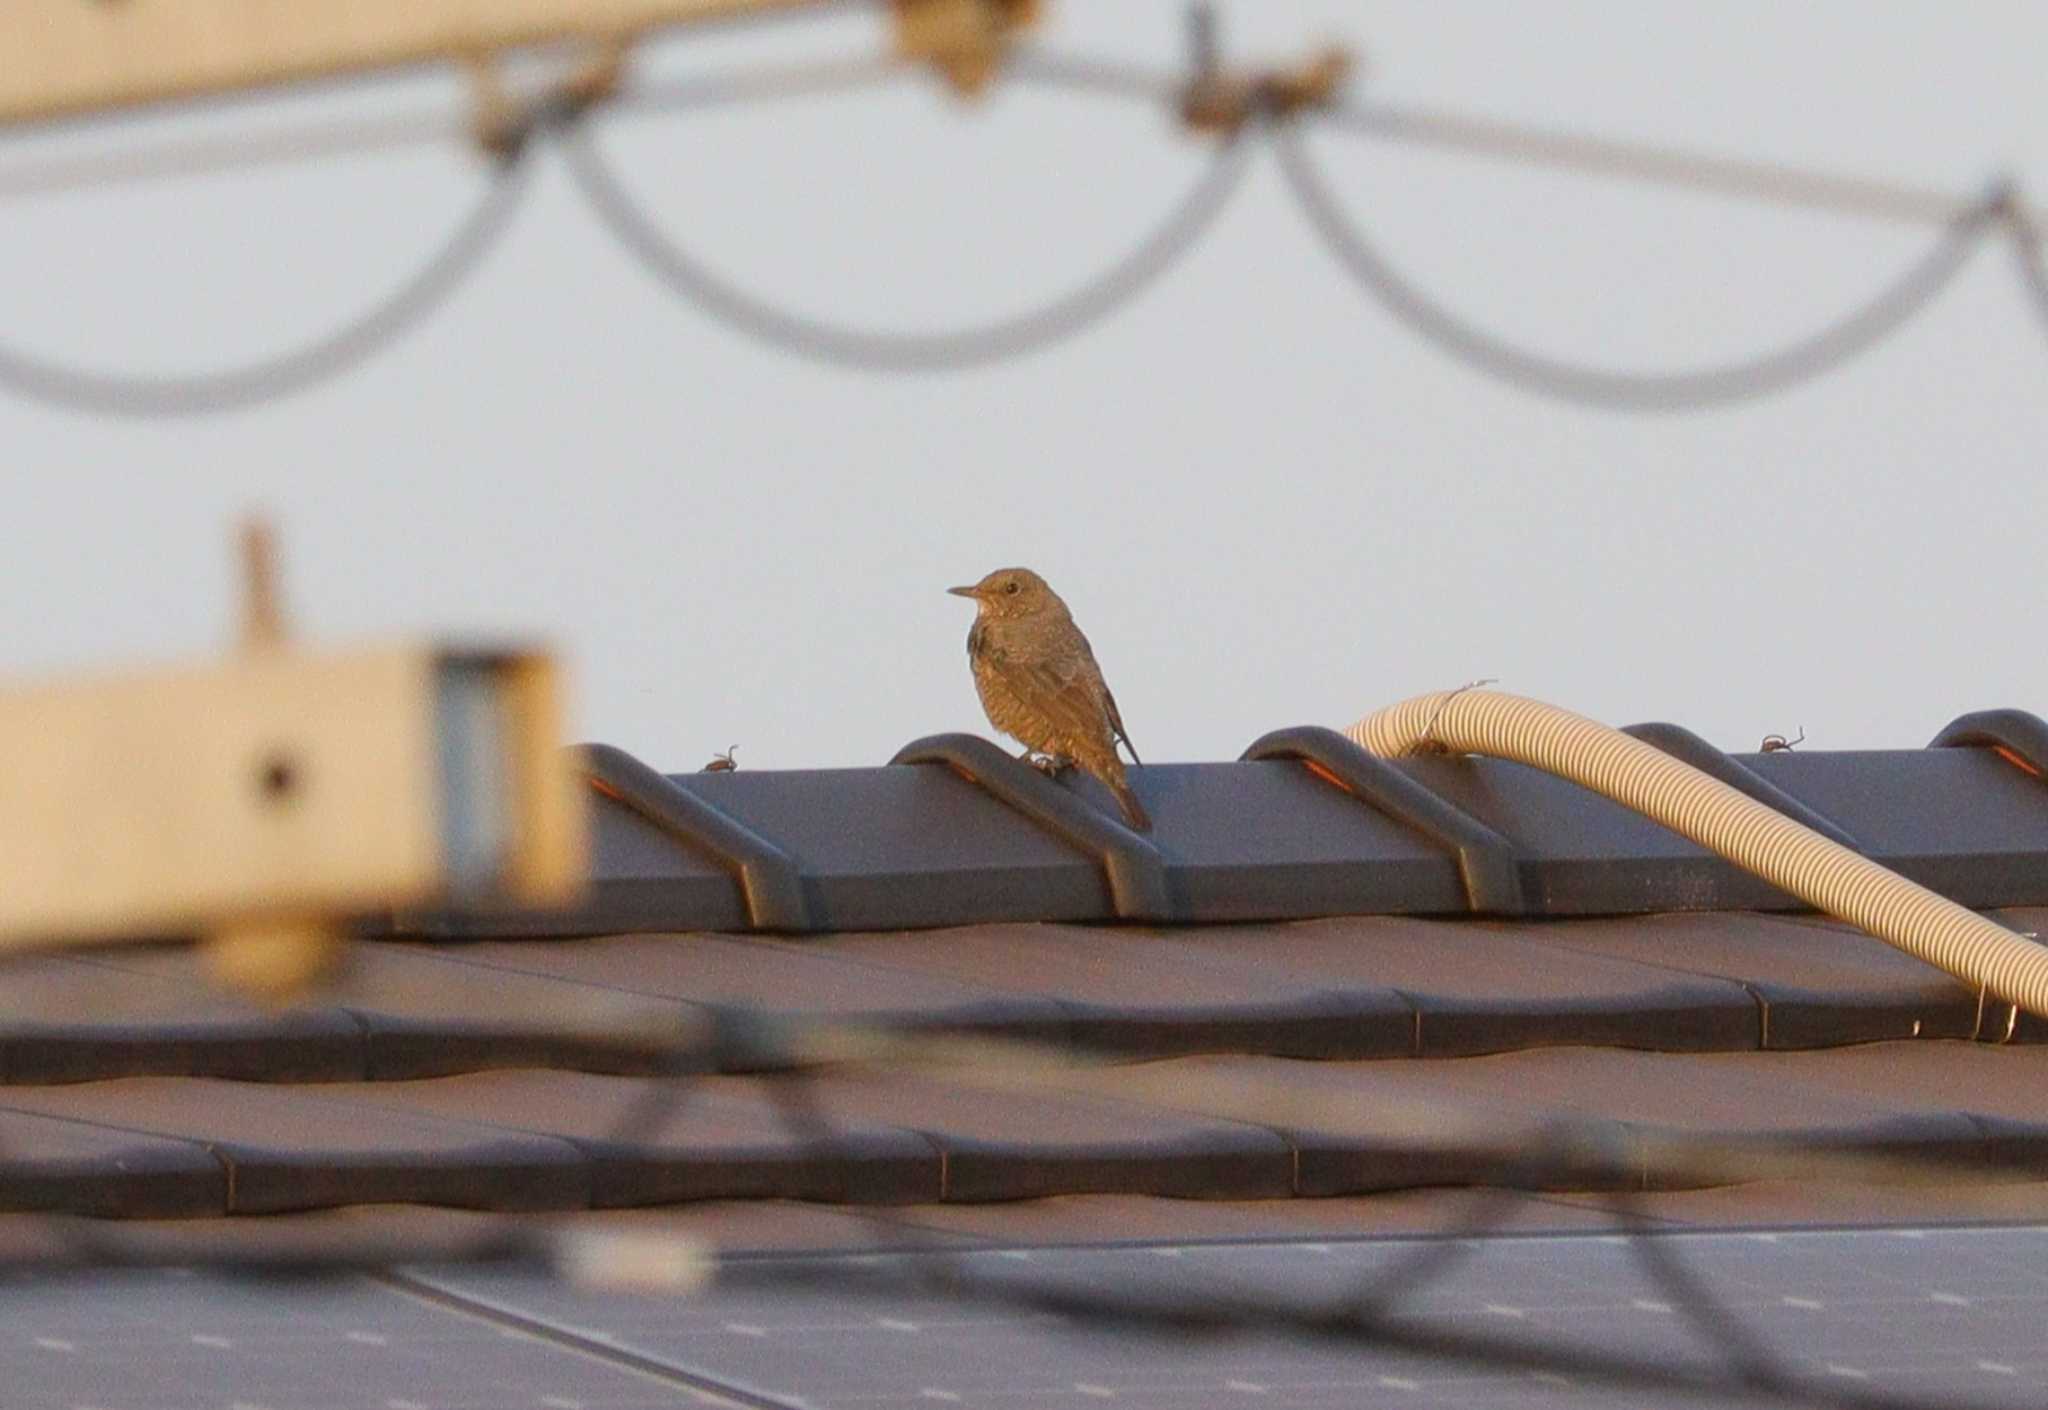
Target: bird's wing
1116,719
1061,690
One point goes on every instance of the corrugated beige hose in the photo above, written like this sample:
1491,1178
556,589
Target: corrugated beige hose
1758,839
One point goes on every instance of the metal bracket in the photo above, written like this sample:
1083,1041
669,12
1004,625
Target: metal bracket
771,885
502,123
1488,863
1221,101
1688,748
963,39
1133,866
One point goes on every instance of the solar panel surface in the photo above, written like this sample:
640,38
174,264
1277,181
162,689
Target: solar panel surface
1930,1316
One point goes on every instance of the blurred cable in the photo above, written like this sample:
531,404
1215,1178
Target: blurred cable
220,155
1769,182
760,317
2026,249
118,395
692,280
1821,352
1381,1313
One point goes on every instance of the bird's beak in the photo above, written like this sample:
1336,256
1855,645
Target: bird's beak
965,591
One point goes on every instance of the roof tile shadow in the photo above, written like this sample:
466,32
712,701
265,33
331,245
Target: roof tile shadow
288,1148
53,1165
704,1138
1482,987
149,1012
1146,993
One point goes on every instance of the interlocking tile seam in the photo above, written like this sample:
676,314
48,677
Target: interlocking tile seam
1360,1011
628,1167
1698,1025
1014,1012
320,1043
577,1167
1853,1017
269,1174
1196,1170
153,1197
1763,1006
1852,1108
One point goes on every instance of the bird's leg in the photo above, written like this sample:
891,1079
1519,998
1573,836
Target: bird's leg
1051,765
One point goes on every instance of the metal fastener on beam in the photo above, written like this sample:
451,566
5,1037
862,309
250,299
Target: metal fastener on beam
771,885
1688,748
1133,866
1488,863
963,39
1220,101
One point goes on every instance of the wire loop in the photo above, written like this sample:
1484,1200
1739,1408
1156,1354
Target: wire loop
327,357
692,280
1801,361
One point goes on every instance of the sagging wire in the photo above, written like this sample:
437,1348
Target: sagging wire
115,394
1821,352
694,281
1235,108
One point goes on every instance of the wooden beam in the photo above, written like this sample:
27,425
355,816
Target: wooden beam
284,785
66,57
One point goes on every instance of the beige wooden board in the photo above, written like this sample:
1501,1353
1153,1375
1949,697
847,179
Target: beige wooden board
71,56
279,783
551,859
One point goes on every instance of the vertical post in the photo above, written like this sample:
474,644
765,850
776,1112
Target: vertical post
276,958
262,611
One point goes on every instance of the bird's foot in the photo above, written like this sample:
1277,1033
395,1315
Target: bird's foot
1051,765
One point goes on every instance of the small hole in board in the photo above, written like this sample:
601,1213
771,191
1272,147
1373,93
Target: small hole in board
277,778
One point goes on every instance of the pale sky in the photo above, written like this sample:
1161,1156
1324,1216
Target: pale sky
1266,502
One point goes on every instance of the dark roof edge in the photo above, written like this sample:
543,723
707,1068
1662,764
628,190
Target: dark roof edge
957,832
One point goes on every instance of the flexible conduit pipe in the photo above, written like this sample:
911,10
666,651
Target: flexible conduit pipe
1758,839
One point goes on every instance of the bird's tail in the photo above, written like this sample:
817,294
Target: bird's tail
1134,811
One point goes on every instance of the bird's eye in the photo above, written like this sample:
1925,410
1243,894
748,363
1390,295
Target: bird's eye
1010,588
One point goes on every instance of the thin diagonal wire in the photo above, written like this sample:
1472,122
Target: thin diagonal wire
691,280
1195,1318
767,83
242,152
1769,182
2026,251
1491,1204
298,143
114,394
1751,1357
1107,78
1773,372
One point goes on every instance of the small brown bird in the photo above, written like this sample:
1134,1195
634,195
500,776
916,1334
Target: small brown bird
1038,681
